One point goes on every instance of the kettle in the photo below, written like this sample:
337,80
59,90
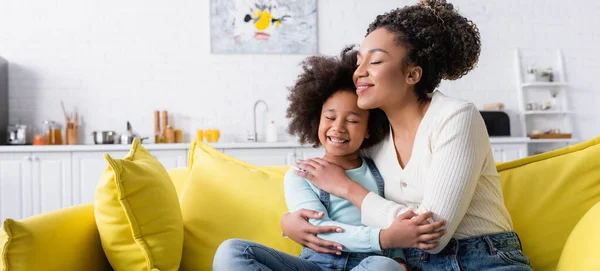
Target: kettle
128,136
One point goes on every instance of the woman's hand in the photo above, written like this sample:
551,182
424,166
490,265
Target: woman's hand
410,231
296,226
329,177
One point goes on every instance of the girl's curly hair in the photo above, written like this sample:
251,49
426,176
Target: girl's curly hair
442,42
321,77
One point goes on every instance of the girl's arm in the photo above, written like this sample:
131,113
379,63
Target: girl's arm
300,195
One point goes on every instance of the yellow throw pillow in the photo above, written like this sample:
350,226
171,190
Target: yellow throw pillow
547,194
227,198
65,239
582,247
138,214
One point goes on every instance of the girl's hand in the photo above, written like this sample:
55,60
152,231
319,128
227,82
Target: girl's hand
329,177
296,226
410,231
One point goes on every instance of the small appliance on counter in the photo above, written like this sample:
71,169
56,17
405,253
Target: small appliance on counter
129,135
16,134
3,101
496,122
105,137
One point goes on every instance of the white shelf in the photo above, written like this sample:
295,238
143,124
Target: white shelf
556,140
546,112
544,119
543,84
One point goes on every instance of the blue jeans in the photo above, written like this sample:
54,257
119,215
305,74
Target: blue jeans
496,252
236,254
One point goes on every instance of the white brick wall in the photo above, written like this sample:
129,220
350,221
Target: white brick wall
120,60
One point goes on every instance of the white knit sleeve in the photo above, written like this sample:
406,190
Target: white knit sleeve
459,149
458,155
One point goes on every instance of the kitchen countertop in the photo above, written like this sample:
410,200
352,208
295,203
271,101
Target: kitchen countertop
151,146
185,146
508,139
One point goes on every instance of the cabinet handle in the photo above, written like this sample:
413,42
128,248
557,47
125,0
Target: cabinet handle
27,158
35,158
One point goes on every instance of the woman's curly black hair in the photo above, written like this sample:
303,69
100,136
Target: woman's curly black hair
442,42
321,77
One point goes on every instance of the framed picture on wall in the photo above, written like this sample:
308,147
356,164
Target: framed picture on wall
263,26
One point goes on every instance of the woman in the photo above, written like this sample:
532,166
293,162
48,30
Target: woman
437,157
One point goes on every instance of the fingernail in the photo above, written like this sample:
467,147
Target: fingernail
338,253
339,247
338,230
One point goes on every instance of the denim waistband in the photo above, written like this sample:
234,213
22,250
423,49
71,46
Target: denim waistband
492,243
346,253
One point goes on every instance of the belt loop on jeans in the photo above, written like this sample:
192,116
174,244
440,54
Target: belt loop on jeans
424,256
491,247
518,239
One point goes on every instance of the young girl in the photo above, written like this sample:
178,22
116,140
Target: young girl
324,111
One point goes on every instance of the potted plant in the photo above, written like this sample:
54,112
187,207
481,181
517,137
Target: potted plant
547,75
531,74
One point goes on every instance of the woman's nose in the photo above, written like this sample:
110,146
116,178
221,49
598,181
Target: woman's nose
361,71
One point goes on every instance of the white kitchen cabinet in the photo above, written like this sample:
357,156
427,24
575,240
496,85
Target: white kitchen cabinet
307,153
264,157
88,168
52,183
508,152
15,185
171,158
34,183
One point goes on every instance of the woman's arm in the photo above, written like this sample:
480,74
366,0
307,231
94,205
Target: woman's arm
300,195
458,155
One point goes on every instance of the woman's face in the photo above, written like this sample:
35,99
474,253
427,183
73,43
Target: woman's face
382,79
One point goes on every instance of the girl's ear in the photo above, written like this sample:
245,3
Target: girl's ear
367,135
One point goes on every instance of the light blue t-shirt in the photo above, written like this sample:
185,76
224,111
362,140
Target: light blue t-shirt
355,237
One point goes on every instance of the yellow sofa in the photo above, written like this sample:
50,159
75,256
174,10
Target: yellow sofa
547,195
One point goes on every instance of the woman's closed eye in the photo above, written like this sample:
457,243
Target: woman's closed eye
375,62
330,118
352,121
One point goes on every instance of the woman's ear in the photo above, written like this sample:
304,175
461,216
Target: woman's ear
367,135
414,75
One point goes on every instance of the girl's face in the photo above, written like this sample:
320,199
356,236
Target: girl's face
343,125
382,78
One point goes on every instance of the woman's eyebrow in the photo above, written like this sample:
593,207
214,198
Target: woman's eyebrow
376,50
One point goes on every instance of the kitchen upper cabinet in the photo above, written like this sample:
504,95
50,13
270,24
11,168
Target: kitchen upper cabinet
88,168
171,158
264,157
15,185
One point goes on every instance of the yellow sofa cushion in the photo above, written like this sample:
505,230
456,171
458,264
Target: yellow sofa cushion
546,196
138,214
227,198
66,239
583,245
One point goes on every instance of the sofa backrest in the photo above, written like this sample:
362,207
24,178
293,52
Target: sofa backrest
546,195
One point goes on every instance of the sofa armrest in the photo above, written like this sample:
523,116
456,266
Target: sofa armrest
66,239
581,249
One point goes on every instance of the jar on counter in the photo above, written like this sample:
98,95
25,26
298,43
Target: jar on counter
52,133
